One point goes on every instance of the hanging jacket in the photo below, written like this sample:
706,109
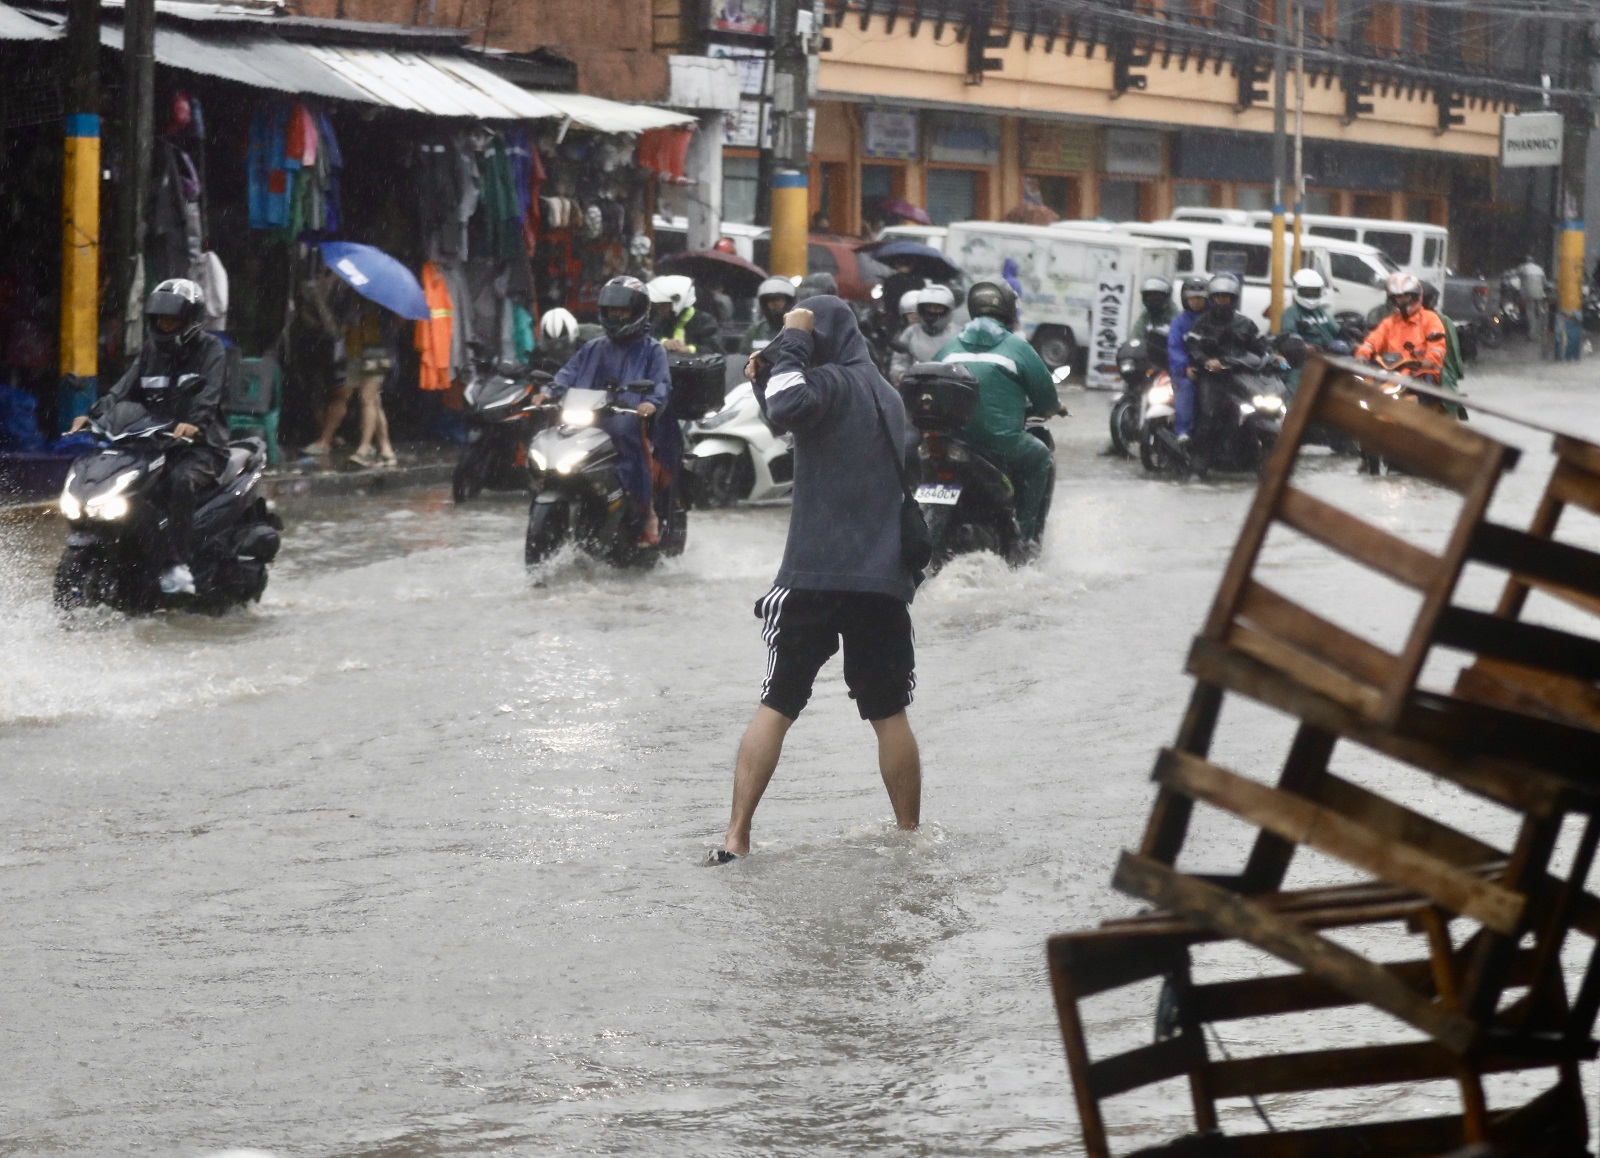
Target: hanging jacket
434,336
849,428
1013,381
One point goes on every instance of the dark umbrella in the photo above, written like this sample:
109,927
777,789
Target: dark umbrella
898,207
377,277
740,278
925,261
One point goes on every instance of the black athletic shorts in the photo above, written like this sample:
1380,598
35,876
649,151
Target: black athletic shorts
803,630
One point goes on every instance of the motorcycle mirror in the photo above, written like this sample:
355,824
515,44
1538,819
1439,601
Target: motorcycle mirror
640,386
1061,375
191,383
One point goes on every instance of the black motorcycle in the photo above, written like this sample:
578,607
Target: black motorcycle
1139,363
500,420
1238,415
578,494
1409,363
116,546
968,502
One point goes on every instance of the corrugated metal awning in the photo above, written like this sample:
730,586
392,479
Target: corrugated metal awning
445,86
605,116
16,25
258,61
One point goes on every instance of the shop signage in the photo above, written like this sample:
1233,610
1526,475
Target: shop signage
1108,321
1133,152
889,133
1058,147
963,139
741,128
752,66
1530,140
749,17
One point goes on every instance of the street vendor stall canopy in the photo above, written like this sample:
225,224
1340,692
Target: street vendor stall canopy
16,25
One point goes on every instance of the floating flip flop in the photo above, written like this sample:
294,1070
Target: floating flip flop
719,856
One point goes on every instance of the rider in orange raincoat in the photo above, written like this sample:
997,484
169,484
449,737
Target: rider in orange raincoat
1412,331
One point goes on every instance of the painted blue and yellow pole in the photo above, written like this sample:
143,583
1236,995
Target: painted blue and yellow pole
80,264
1569,291
790,209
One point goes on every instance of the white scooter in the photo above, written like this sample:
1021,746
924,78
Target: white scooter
735,455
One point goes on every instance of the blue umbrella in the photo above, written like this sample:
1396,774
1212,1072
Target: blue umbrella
377,277
926,261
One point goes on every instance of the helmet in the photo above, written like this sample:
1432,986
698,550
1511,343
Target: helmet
1194,286
776,287
673,289
1400,287
1156,293
724,245
993,299
815,285
183,301
1223,285
934,306
909,301
624,293
558,325
1308,289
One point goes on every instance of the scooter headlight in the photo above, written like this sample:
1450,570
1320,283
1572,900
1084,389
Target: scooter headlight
577,418
538,458
108,507
570,463
71,507
1160,395
1268,403
1127,367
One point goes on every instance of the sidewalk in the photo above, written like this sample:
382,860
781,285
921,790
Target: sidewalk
421,464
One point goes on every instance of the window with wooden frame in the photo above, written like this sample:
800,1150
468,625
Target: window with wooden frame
1383,28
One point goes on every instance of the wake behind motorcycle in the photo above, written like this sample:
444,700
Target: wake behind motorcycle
500,421
578,494
1238,413
735,455
116,546
968,502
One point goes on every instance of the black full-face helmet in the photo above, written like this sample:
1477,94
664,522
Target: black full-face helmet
174,312
624,308
1156,294
993,299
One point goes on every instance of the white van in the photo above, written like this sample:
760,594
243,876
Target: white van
1418,249
1355,273
1080,288
1208,216
672,236
932,236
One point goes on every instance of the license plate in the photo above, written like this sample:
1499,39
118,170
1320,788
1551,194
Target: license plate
939,494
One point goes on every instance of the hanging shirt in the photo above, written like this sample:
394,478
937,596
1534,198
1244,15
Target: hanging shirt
208,273
434,335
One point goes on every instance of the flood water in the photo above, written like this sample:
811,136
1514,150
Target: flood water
407,860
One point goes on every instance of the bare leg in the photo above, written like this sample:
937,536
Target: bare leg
900,764
385,447
370,411
758,760
331,419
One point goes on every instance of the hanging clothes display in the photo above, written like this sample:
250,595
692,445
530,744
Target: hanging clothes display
293,169
208,273
435,336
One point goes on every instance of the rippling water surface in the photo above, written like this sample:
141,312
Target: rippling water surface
405,861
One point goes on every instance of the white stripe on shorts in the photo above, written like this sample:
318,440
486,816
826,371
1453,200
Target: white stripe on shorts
771,610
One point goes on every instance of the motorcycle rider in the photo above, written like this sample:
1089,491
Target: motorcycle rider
1193,294
674,321
558,339
625,354
908,307
1411,331
1221,332
1159,310
936,307
1308,319
178,347
775,297
1012,380
1455,367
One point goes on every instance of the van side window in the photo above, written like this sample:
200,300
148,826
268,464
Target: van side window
1432,254
1338,231
1396,245
1243,260
1185,260
1350,267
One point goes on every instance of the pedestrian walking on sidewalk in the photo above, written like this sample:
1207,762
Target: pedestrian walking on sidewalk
843,578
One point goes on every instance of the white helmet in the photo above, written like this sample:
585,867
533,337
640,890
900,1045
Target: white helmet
1309,289
674,288
938,295
909,302
558,325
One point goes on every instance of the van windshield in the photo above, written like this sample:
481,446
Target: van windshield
1396,245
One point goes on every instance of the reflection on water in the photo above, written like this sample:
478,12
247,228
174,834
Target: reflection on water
404,861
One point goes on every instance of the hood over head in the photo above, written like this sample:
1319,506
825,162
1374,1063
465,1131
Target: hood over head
983,333
835,336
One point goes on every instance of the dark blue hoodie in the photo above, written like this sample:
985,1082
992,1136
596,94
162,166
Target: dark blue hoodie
844,531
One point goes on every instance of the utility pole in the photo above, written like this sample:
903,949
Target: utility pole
1280,155
1299,129
80,217
791,164
138,141
1570,258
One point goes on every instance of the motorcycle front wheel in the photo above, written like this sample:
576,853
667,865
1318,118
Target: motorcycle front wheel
76,579
1154,455
1493,334
720,486
547,530
466,481
1125,426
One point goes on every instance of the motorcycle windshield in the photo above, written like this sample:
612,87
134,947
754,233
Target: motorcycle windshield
129,419
584,400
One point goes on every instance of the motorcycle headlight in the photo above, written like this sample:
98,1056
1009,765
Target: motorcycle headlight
568,464
71,507
1127,367
108,507
538,458
1160,395
577,418
1268,403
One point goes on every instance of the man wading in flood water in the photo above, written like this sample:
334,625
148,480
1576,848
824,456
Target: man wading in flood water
842,576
